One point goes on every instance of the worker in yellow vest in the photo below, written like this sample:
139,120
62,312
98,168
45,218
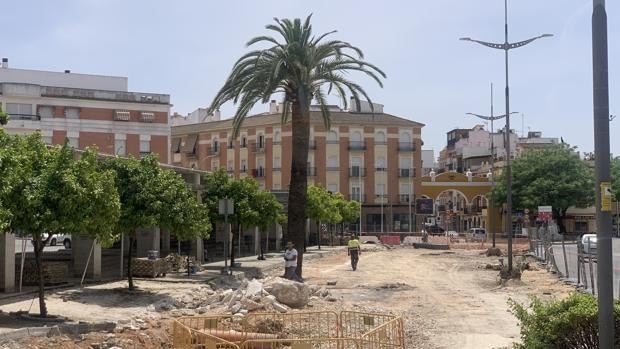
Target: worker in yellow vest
354,250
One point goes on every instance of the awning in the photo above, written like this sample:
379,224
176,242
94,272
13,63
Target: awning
190,144
176,145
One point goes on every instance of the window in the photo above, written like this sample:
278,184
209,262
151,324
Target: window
380,189
332,188
244,166
380,137
122,115
277,137
72,113
215,165
332,137
231,166
356,136
332,161
405,137
244,141
277,163
73,142
19,111
404,188
46,112
147,116
380,163
47,140
119,147
231,143
356,192
216,145
261,141
145,147
581,227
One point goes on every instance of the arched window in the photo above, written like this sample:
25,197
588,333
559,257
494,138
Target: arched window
380,137
277,137
216,145
405,137
356,136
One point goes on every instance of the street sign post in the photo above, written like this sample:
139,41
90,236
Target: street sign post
225,207
545,213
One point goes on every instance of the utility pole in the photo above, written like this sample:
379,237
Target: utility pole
506,46
602,169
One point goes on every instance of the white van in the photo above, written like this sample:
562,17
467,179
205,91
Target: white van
478,233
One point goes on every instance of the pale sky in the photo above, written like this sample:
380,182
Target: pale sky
187,48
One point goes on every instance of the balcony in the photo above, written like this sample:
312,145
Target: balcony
333,169
311,171
406,146
357,145
276,169
380,169
357,171
406,172
276,142
258,147
381,198
258,173
357,197
214,151
31,117
403,198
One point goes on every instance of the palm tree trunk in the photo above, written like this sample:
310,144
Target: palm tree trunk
38,252
298,187
129,273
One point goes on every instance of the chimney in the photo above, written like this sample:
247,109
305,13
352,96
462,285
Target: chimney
67,71
273,107
5,63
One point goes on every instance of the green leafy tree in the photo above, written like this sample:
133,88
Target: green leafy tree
322,206
4,117
553,176
154,197
615,177
302,67
53,192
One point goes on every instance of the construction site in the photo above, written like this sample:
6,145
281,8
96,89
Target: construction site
399,297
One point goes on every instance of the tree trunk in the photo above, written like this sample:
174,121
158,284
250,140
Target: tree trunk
129,273
38,252
232,247
318,234
297,195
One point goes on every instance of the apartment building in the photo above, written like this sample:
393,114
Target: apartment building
88,110
374,158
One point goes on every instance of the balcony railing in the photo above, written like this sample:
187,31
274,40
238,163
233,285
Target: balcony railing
258,148
214,150
357,197
357,145
403,198
33,117
406,146
380,169
276,169
258,173
357,171
144,153
333,169
406,172
311,171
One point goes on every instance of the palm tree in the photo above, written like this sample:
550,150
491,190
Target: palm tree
303,68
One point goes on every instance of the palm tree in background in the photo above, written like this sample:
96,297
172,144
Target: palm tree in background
303,68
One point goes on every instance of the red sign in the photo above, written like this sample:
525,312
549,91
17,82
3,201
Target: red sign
545,216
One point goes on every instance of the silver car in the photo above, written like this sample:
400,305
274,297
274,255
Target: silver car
589,243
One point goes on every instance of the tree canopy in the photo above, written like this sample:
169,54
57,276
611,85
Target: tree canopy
615,177
553,176
303,68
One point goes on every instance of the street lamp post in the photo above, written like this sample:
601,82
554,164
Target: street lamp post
506,46
602,169
492,118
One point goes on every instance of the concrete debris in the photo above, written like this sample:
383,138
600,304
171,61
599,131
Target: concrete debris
294,294
279,307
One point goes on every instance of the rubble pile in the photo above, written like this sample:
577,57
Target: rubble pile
273,294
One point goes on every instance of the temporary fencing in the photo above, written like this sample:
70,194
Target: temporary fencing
323,330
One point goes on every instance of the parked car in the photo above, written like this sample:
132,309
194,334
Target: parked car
452,234
589,242
64,239
478,233
435,230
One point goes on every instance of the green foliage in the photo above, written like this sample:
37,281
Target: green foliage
615,177
567,323
253,205
4,117
349,209
553,176
322,206
299,64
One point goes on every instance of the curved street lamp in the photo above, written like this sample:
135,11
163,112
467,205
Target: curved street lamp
507,46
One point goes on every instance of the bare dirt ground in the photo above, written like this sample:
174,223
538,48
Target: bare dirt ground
447,298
